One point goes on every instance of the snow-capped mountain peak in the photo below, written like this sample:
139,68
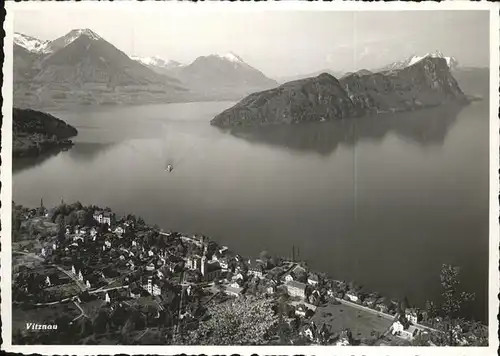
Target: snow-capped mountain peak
74,34
450,61
156,61
230,56
31,44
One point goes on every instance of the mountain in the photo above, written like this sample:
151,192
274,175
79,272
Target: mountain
24,63
158,64
34,132
450,61
223,76
425,83
282,80
83,68
82,57
30,44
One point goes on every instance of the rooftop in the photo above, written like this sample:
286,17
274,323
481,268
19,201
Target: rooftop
295,284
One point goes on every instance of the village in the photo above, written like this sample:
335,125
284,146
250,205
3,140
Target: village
118,273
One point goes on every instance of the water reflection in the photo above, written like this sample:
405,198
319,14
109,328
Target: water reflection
81,151
423,127
89,151
20,164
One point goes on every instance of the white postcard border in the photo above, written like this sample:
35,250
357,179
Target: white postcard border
6,178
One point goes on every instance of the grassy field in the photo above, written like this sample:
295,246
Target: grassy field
92,308
26,261
361,323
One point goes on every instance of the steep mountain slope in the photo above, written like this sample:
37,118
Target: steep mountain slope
426,83
34,132
84,69
24,63
90,59
31,44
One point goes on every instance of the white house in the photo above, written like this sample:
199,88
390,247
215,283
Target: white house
352,297
397,328
301,311
312,279
288,277
411,315
224,264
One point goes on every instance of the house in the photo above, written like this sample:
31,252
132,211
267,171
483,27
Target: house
289,277
271,289
301,310
92,280
112,296
352,296
193,262
296,289
310,332
238,275
382,307
135,293
397,328
412,315
224,263
48,281
313,279
237,283
210,271
104,217
345,338
255,268
153,287
150,267
315,297
119,231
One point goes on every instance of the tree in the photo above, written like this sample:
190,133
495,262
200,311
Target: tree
265,256
245,321
453,299
431,309
59,220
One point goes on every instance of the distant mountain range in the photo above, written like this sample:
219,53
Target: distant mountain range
215,75
82,68
425,83
452,62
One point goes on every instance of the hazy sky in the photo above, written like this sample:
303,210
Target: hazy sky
279,43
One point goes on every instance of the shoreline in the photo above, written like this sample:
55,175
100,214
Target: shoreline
336,290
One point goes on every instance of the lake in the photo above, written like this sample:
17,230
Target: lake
383,201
